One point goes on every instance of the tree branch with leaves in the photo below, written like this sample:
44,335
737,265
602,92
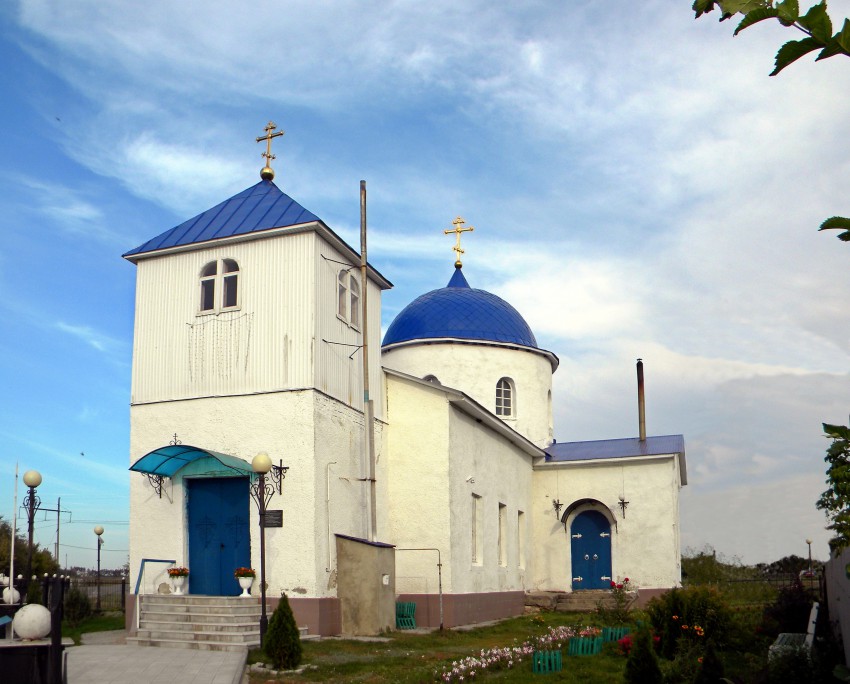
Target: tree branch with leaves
835,501
816,24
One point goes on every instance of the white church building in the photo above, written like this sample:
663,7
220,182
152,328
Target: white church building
249,338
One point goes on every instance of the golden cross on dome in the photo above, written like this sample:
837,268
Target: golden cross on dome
268,173
458,224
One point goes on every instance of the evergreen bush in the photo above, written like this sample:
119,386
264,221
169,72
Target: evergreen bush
642,666
282,643
77,607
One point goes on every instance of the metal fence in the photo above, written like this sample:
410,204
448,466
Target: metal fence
760,590
111,590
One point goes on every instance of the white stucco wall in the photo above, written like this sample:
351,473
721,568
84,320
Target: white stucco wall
308,431
433,448
476,368
503,475
645,543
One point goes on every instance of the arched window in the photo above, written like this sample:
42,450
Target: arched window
230,296
342,294
505,399
208,274
348,298
355,303
219,285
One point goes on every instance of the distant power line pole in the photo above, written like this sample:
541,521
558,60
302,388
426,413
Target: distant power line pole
58,511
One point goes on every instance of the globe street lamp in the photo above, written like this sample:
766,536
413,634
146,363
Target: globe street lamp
98,530
262,492
32,479
809,542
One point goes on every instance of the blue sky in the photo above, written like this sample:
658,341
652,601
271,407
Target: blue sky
638,185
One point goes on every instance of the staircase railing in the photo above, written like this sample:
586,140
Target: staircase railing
139,577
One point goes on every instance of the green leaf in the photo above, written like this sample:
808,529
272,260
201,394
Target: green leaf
832,48
755,17
742,6
817,22
843,38
838,223
788,12
792,51
703,6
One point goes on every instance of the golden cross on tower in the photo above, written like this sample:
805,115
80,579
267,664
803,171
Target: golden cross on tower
268,173
458,224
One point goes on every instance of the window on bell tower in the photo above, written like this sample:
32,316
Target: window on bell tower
219,282
348,298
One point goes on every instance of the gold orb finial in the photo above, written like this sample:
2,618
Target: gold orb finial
267,172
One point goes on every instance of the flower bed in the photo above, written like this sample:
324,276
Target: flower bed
510,656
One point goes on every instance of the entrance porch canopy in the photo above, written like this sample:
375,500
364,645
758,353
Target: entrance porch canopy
167,460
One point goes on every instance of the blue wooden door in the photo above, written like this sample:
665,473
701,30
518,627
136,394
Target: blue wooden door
590,545
219,537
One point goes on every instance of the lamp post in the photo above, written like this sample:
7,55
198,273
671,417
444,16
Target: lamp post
98,530
32,479
262,492
809,542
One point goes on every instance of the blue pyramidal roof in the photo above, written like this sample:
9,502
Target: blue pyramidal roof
461,312
260,207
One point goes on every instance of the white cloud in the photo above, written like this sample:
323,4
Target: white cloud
89,336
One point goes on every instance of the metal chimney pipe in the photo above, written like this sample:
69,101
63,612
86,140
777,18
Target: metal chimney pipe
641,402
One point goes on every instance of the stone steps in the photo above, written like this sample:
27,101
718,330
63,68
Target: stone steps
570,601
209,623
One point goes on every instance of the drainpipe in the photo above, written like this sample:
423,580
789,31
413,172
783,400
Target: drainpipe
328,508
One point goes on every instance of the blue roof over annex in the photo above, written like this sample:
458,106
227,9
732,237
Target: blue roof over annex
260,207
630,447
459,311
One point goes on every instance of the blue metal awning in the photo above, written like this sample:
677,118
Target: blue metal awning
167,460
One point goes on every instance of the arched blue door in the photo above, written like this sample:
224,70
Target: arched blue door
219,537
590,544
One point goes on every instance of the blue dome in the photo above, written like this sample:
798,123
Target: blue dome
461,312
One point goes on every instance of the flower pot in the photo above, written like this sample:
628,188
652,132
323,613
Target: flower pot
177,584
245,583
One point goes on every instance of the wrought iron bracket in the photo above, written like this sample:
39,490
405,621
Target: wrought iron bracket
31,499
158,482
262,492
278,474
557,505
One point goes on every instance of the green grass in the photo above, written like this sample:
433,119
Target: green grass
96,623
408,658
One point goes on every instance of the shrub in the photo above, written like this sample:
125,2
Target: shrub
77,607
693,612
282,643
711,667
790,611
642,666
791,666
622,599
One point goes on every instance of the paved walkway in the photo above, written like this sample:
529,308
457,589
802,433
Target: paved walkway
103,658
